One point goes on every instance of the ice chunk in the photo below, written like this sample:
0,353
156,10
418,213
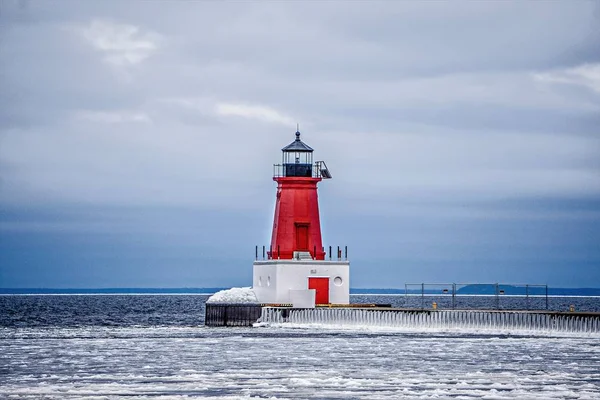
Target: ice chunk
234,295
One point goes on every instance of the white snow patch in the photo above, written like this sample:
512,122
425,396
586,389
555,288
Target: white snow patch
234,295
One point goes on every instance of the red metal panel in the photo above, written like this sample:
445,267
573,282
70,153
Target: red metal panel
297,204
321,285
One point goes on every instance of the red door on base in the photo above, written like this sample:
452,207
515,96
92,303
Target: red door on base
321,285
302,237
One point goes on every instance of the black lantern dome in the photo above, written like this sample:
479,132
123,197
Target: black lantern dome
297,158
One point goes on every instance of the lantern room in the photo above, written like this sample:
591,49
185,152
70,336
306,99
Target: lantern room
297,159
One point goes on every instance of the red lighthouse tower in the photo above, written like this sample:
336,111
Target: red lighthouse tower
296,226
296,270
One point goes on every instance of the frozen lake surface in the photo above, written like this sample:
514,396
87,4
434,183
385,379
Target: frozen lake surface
101,348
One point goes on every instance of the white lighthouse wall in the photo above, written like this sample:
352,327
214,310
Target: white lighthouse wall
264,283
273,279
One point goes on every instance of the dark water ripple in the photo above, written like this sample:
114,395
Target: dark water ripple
188,310
101,310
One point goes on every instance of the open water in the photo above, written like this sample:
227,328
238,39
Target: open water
155,346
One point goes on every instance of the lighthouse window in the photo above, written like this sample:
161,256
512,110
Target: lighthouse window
268,281
297,157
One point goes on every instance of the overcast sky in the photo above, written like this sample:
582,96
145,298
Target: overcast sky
137,138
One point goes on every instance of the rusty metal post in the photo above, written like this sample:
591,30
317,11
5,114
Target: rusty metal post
454,296
497,297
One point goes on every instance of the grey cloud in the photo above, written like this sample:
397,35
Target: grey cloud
422,110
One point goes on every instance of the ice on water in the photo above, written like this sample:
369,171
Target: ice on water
284,363
156,347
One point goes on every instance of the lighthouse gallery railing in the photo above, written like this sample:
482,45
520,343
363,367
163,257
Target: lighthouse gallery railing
270,253
317,170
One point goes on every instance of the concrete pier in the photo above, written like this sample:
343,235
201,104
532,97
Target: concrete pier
374,316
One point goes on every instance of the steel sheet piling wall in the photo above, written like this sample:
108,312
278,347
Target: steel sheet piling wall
232,314
448,319
248,314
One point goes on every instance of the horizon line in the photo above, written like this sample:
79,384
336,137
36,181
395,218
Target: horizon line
229,287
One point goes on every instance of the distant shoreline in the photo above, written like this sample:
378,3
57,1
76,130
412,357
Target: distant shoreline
352,294
563,292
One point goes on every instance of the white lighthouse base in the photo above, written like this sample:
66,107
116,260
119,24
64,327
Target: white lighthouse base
278,281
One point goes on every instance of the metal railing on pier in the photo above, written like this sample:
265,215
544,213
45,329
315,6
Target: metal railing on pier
448,295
